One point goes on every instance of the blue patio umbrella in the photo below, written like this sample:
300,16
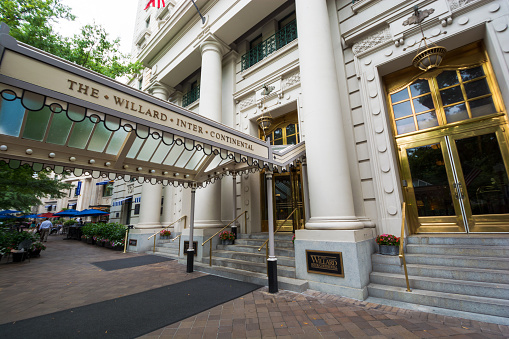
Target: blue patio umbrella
8,216
67,213
9,212
91,212
29,216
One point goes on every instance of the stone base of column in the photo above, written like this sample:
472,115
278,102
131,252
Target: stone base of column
149,225
367,222
208,224
272,275
334,223
190,260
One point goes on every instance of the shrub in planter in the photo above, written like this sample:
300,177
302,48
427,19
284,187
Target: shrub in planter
388,244
165,234
227,237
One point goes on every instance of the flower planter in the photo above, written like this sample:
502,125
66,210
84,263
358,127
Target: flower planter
227,242
18,256
389,250
35,253
118,248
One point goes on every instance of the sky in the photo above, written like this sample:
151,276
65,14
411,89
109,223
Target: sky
117,17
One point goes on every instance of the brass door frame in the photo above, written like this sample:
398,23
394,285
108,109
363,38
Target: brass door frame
297,221
474,223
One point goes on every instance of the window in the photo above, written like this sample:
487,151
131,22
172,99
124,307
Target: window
147,22
460,94
286,20
284,130
108,190
140,83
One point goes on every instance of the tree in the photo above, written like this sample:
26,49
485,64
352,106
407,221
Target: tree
21,188
31,23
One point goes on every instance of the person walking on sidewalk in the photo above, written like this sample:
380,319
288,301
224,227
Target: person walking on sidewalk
45,227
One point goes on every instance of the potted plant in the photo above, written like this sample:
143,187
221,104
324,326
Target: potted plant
165,234
227,237
36,249
388,243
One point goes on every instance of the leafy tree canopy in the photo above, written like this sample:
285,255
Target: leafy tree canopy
21,188
31,23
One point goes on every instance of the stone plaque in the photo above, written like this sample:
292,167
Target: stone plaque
321,262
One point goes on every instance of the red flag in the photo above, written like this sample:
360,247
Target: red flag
153,4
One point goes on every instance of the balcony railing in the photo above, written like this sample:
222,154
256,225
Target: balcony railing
282,38
191,96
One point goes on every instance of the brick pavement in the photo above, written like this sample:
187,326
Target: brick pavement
63,278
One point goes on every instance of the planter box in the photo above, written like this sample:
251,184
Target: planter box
389,250
18,256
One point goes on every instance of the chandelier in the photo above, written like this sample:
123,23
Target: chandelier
429,54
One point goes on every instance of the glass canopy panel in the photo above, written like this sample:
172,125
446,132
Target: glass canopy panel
161,153
99,138
116,142
184,159
59,129
80,134
175,153
148,149
217,160
36,124
135,147
197,159
11,117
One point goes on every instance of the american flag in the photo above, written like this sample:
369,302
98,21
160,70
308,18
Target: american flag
153,4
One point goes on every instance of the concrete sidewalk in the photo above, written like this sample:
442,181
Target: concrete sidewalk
63,278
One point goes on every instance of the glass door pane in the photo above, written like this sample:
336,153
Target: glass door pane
484,180
283,202
432,204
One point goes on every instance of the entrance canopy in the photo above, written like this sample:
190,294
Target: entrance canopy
55,114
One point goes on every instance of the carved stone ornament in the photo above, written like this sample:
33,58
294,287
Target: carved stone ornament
455,4
247,102
418,17
372,41
291,80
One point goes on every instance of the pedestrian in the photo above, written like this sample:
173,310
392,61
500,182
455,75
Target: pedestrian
45,227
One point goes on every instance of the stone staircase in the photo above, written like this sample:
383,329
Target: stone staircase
243,262
461,273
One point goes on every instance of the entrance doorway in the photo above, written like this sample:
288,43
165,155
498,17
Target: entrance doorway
451,131
287,197
458,182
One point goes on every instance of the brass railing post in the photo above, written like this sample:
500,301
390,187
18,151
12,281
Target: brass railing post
210,253
401,250
154,249
125,240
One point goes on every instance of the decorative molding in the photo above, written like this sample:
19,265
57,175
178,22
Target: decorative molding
247,102
372,41
455,4
291,80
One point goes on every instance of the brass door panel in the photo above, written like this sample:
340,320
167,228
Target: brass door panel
458,182
429,193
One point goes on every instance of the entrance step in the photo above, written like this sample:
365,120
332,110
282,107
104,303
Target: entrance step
463,273
285,283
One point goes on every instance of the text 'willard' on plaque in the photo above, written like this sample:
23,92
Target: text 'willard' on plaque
329,263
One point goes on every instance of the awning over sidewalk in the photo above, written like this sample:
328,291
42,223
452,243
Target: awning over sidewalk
54,114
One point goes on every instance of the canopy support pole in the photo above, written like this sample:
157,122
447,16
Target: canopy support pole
190,250
234,225
271,260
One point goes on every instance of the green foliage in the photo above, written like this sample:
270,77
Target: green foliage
21,188
70,222
10,239
31,22
109,231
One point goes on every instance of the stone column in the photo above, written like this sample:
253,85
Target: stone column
330,195
150,208
208,199
168,211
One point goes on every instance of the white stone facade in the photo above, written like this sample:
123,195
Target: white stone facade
336,88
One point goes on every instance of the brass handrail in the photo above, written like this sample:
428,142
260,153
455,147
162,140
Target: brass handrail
208,240
401,251
266,241
177,237
173,223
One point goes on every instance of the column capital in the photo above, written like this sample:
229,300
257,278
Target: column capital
269,174
212,43
160,90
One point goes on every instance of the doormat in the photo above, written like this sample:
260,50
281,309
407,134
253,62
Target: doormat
118,264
